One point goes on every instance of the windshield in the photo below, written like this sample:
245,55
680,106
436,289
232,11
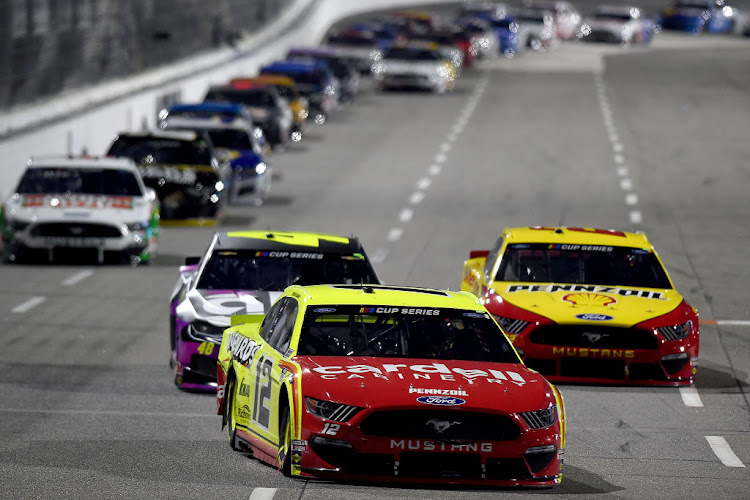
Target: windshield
612,17
163,151
412,54
396,331
589,264
260,98
230,138
274,271
79,181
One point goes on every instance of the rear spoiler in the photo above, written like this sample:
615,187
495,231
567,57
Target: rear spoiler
243,319
478,253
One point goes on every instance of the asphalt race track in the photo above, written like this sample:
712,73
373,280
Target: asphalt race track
654,140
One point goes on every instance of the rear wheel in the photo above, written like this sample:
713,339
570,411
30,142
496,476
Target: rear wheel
229,391
285,443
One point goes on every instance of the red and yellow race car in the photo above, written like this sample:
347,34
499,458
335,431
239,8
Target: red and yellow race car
371,382
587,305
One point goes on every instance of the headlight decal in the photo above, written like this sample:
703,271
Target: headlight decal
329,410
540,419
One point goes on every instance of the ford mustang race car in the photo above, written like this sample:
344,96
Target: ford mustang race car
182,168
396,384
587,305
80,204
245,272
621,24
696,16
417,65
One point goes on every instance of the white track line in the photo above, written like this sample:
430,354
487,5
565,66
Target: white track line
28,305
635,217
108,413
395,234
77,277
691,397
405,215
729,322
262,493
416,197
722,450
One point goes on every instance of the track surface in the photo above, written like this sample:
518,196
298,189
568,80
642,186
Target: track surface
658,141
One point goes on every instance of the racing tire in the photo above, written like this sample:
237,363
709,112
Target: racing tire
229,390
285,443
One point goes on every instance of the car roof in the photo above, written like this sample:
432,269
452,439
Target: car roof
212,123
295,241
175,135
293,66
576,236
413,297
82,162
208,106
267,79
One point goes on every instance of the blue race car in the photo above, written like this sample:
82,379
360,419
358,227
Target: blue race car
697,16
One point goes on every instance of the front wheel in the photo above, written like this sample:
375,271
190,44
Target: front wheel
284,458
231,424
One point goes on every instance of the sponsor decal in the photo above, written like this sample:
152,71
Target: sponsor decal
244,389
402,371
438,392
588,352
583,248
242,348
415,311
243,412
647,294
324,310
78,201
172,175
594,317
289,255
441,400
475,315
441,426
420,445
299,445
589,299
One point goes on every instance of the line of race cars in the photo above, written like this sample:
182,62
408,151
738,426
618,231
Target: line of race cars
319,368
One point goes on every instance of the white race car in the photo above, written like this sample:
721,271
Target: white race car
78,204
621,24
420,66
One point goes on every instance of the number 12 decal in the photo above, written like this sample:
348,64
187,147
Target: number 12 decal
262,403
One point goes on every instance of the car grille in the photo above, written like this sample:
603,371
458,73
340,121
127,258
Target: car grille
593,336
75,230
440,425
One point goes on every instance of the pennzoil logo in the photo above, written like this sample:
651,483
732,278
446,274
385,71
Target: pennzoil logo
589,299
624,292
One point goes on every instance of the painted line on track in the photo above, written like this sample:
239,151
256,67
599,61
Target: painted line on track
108,413
722,450
29,304
691,397
262,494
77,277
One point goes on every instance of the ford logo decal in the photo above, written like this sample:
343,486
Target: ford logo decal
324,310
594,317
441,400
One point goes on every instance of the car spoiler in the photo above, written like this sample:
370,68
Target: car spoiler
243,319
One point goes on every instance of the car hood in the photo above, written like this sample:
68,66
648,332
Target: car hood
397,383
79,208
217,306
422,67
572,304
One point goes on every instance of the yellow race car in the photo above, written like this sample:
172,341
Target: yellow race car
587,305
373,382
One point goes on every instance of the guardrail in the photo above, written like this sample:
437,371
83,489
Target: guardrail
85,120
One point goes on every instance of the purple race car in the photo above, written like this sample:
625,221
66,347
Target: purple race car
244,273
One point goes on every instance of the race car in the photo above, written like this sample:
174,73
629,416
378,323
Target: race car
696,16
298,104
381,383
342,67
415,66
245,272
587,305
181,166
73,205
567,19
621,24
235,144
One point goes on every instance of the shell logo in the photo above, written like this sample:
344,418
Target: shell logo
589,299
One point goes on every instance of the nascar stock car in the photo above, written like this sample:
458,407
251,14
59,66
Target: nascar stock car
245,272
621,24
697,16
72,205
235,144
372,382
415,65
587,305
181,166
